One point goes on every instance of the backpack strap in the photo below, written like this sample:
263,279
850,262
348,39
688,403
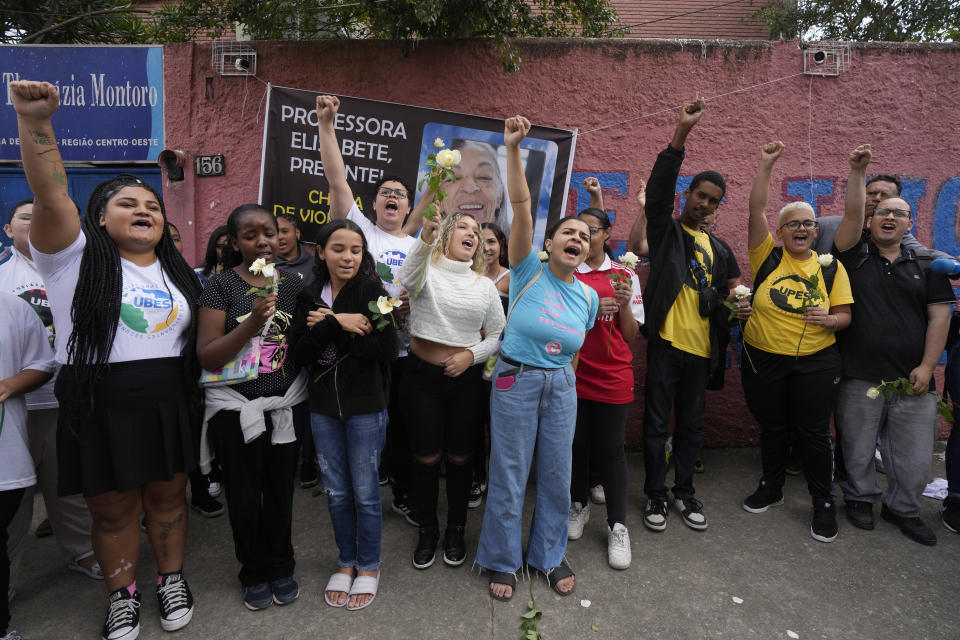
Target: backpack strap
530,282
769,266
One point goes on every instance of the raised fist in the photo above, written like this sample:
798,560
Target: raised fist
592,185
327,107
860,157
771,151
36,100
515,129
691,112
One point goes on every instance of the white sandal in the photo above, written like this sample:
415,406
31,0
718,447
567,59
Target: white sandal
364,585
94,572
338,582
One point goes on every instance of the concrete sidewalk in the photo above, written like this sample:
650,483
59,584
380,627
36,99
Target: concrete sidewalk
867,584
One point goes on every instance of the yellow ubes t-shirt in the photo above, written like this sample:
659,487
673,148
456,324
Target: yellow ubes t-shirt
684,327
777,322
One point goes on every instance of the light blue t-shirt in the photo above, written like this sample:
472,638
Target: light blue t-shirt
549,321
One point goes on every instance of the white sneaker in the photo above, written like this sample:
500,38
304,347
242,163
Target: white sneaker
618,547
578,516
597,496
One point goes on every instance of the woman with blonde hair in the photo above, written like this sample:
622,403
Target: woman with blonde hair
455,322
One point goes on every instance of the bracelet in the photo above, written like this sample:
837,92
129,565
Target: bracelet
836,323
520,201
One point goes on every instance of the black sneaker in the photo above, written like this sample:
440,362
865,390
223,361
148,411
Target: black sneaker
206,506
123,617
692,511
176,601
308,475
860,514
476,495
823,527
454,548
763,498
912,527
950,514
426,551
401,507
655,514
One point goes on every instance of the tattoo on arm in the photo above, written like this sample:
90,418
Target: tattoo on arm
40,137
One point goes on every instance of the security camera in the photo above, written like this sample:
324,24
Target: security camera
819,57
242,64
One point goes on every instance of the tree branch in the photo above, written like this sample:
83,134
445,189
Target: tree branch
90,14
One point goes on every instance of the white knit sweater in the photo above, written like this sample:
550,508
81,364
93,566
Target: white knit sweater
451,304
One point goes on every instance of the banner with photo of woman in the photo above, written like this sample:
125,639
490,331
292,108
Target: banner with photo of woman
380,139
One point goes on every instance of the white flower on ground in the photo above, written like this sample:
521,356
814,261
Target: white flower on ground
543,256
387,305
448,158
268,271
825,260
741,291
629,259
438,143
258,266
873,393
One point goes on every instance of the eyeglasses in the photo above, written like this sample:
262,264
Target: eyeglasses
897,213
386,191
793,225
594,230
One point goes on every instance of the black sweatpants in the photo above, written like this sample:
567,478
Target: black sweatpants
598,442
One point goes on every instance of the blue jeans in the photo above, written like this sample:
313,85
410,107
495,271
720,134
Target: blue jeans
348,450
537,411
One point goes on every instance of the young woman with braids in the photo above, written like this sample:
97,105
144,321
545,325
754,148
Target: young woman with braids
123,303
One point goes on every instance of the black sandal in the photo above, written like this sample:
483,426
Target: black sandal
506,578
555,575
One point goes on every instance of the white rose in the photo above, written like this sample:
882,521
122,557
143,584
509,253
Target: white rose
448,158
268,271
387,305
873,393
438,143
258,266
741,291
629,259
825,260
543,256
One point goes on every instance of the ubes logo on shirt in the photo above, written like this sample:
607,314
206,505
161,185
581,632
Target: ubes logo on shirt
147,311
789,292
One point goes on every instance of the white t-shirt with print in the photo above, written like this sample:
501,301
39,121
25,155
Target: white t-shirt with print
23,345
19,276
388,253
154,314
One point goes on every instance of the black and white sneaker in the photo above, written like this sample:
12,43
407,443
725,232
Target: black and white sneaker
176,601
476,495
123,617
763,498
655,515
823,526
401,507
692,511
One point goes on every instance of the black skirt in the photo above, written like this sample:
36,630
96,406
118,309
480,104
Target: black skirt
141,428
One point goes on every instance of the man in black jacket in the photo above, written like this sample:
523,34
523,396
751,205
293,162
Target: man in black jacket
685,317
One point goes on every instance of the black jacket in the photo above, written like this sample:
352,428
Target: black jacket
360,383
671,249
302,265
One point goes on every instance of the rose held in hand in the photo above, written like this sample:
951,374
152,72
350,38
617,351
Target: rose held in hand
257,266
741,291
825,260
448,158
629,259
386,305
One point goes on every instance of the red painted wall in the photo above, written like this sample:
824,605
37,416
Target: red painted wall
900,98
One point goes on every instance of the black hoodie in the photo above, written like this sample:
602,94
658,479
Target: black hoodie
360,382
302,264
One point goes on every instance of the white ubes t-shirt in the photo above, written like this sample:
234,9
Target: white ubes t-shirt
23,345
19,276
154,314
388,253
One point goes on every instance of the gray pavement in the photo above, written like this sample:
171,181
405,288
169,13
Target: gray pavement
867,584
